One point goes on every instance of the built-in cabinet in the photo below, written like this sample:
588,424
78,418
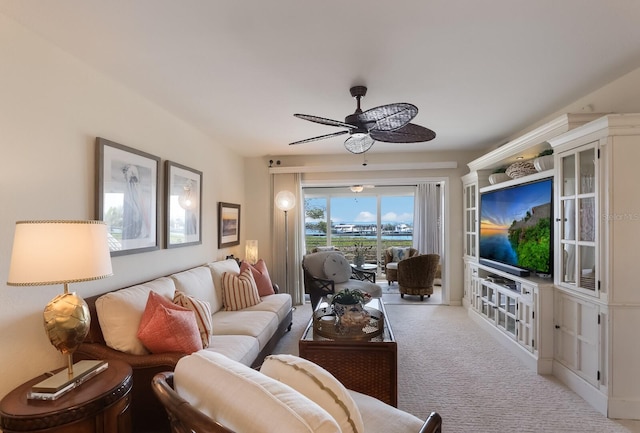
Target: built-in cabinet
597,300
582,324
516,309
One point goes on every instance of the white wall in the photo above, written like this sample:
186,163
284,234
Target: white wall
51,109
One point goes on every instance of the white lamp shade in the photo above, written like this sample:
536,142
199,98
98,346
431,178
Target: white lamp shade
285,200
58,252
251,252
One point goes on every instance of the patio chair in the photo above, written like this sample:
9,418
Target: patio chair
392,256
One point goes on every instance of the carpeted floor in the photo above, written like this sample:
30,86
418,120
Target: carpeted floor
448,365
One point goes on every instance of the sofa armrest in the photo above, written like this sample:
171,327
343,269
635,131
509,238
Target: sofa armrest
433,424
101,351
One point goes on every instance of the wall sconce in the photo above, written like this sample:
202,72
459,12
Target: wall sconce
251,252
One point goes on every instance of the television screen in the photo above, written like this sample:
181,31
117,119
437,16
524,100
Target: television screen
515,226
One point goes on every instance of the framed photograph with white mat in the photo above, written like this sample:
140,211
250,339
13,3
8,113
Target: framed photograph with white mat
183,206
228,225
127,197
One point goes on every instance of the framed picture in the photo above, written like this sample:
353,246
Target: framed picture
228,225
127,197
183,206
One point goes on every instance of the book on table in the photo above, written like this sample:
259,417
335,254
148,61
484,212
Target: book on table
61,383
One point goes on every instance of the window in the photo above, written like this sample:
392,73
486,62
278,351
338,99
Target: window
378,218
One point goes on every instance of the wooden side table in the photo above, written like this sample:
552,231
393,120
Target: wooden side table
101,404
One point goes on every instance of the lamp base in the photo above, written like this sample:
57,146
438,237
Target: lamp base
63,382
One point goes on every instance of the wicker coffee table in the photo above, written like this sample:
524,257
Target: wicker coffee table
369,366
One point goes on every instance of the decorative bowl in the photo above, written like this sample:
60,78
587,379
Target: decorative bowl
520,168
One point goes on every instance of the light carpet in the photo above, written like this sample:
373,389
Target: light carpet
447,364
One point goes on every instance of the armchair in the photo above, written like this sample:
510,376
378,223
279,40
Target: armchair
326,272
196,399
416,275
392,256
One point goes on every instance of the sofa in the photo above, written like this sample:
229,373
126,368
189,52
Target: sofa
244,335
288,394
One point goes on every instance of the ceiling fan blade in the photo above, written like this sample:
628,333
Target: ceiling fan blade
389,117
358,143
320,137
410,133
324,121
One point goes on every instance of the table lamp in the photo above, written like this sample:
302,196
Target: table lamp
251,252
61,252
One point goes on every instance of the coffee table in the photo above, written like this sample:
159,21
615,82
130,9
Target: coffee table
369,366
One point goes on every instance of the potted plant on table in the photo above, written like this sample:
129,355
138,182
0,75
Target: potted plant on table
349,307
360,253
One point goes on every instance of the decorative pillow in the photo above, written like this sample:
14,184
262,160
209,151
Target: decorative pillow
337,268
166,327
119,313
202,311
400,253
239,291
318,385
245,400
260,275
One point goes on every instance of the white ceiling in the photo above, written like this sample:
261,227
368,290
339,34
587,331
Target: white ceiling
479,71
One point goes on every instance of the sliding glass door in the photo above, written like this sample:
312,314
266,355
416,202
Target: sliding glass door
372,220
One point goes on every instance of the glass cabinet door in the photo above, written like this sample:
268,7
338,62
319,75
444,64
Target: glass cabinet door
577,219
470,214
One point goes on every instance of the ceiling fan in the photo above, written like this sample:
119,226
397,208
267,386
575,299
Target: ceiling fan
388,123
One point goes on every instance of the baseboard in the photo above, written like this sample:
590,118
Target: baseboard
581,387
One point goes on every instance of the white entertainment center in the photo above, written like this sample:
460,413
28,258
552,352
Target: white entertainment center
579,324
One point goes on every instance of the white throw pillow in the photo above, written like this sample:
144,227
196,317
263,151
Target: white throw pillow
245,400
337,268
120,312
400,253
318,385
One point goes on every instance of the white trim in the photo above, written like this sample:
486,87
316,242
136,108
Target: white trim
368,167
396,181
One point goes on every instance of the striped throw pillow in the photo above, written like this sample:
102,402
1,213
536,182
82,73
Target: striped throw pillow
202,310
239,291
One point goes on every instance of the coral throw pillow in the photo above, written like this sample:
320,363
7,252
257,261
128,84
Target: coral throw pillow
202,311
260,275
239,291
167,327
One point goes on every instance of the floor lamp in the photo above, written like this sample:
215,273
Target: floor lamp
285,201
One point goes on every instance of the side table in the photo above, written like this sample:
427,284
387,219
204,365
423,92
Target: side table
101,404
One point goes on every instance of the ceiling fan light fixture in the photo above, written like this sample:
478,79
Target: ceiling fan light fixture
356,188
358,144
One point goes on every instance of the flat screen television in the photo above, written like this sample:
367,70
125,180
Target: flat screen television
516,230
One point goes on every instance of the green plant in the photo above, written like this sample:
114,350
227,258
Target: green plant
349,297
361,248
546,152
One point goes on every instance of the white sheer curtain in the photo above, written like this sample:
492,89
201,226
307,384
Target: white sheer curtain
426,219
291,265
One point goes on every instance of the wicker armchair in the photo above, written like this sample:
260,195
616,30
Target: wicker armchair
185,418
391,265
416,275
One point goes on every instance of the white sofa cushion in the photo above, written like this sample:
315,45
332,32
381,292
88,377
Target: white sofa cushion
259,324
244,400
379,417
217,271
279,303
317,384
120,312
198,282
241,348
